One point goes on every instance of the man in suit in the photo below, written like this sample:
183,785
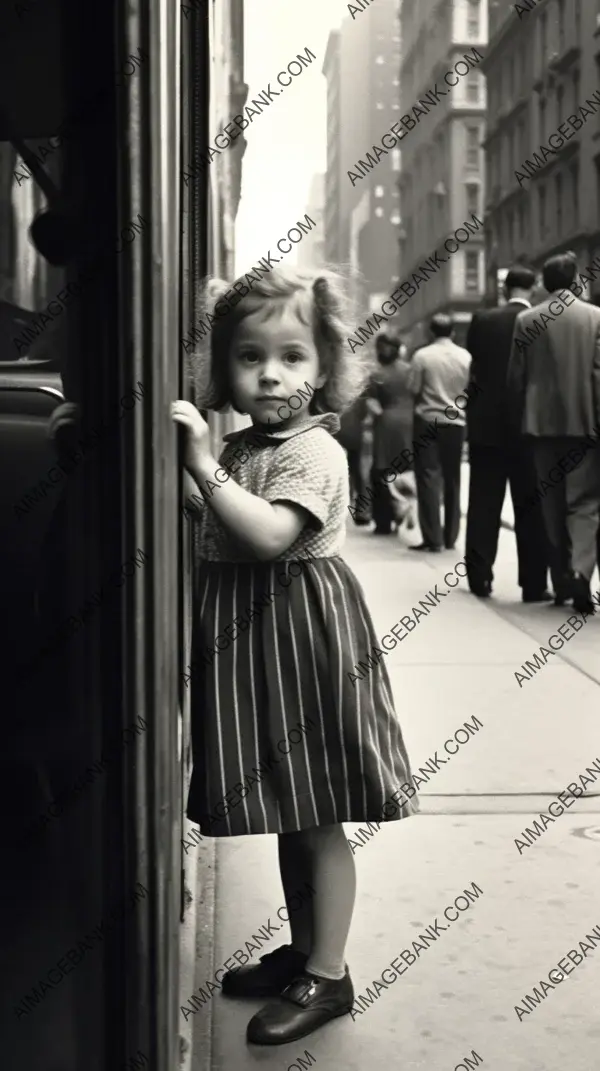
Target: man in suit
554,393
499,456
439,374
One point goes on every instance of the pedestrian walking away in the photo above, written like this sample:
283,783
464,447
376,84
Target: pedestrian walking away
554,397
270,575
351,437
498,455
390,403
439,376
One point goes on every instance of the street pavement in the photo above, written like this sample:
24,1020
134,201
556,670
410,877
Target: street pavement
535,905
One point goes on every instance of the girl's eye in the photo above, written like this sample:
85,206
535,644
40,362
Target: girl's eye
249,356
293,357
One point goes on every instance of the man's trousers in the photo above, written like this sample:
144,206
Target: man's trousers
437,470
570,504
491,468
357,482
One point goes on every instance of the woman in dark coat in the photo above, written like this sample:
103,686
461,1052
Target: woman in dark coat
391,404
350,436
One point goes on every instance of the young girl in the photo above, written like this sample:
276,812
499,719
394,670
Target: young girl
294,633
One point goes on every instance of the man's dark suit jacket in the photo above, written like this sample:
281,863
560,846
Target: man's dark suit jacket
489,342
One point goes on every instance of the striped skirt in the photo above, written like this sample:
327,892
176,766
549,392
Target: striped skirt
285,736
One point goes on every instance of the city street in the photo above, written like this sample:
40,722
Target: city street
534,905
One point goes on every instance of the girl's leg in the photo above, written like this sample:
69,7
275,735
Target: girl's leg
334,882
303,1008
295,867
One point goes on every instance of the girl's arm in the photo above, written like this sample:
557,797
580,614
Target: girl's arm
265,529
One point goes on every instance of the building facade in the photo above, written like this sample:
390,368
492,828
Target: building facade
362,214
311,252
543,139
228,97
331,71
443,98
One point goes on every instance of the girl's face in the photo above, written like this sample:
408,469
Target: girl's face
274,367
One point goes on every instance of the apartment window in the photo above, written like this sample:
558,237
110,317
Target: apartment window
396,160
509,233
558,199
380,60
491,88
522,145
574,172
472,197
379,191
575,84
395,218
472,271
495,171
379,106
561,24
521,217
542,211
560,105
473,88
379,212
473,19
473,146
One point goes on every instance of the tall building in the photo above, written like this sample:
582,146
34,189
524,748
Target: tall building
311,252
333,175
443,106
362,214
542,147
227,99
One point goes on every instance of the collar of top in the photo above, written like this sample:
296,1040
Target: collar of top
275,433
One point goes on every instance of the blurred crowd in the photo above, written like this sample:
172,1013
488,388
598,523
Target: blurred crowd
521,401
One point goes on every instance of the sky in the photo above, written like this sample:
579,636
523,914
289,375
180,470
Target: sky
287,144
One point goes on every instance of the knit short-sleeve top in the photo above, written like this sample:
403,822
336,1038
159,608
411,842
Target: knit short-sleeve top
303,465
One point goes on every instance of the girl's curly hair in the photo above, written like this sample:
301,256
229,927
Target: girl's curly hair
319,301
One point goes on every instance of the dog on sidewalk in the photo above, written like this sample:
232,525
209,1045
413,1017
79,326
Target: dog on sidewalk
403,492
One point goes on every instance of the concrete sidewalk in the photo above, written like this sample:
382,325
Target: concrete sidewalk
539,621
459,662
